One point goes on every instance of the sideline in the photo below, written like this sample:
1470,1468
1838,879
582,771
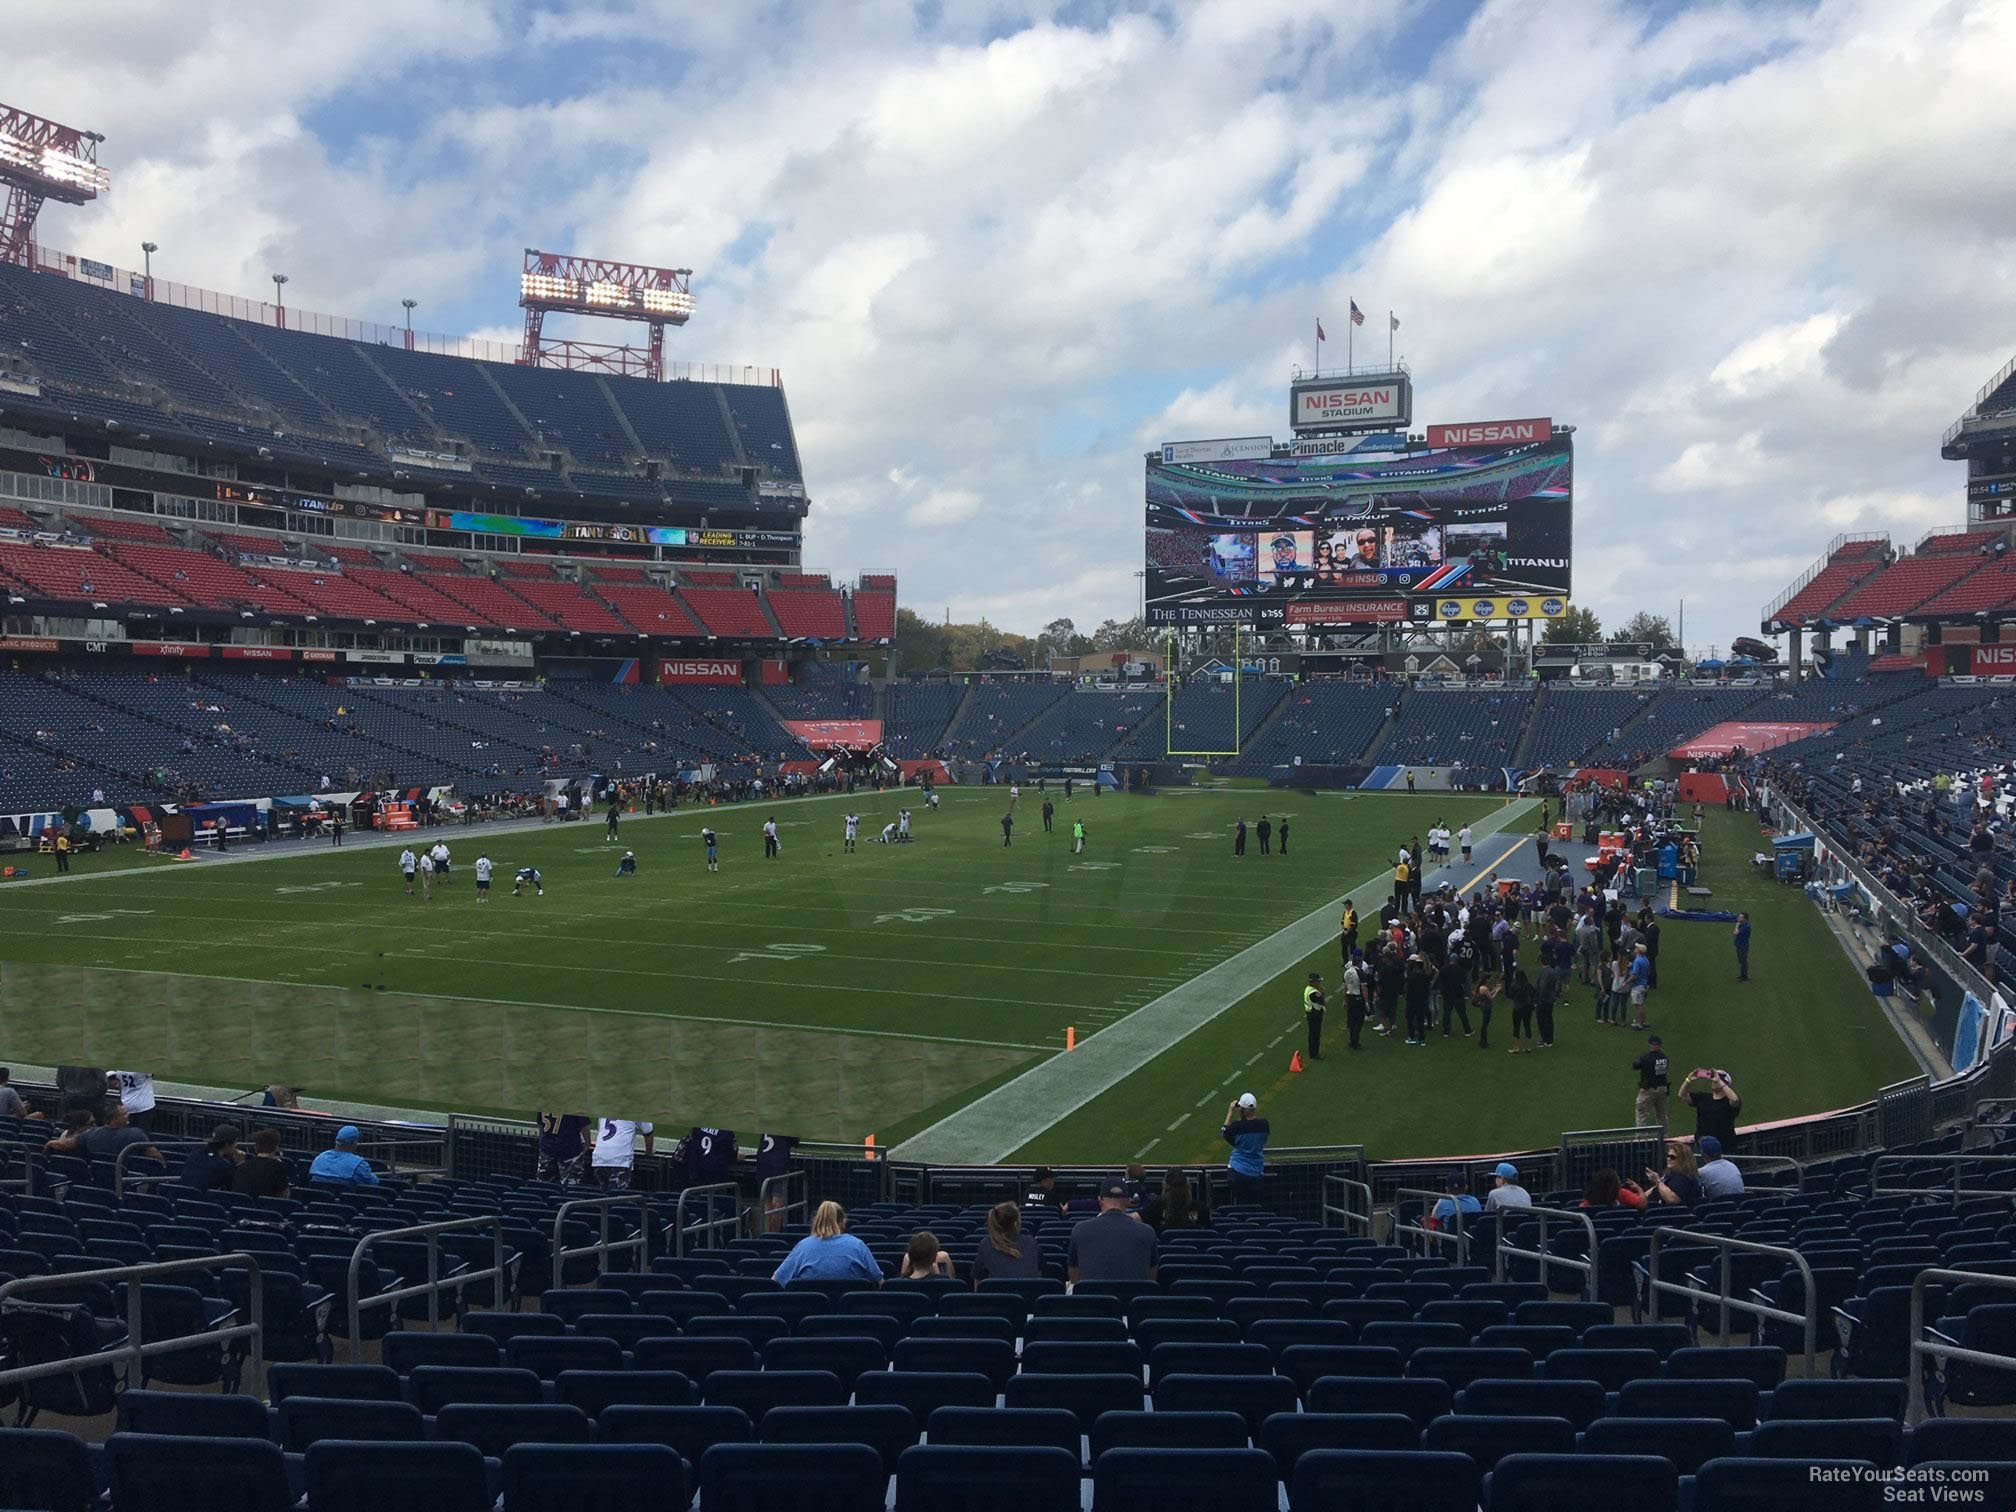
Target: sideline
992,1127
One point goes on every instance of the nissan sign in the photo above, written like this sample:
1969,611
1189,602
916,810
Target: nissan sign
1374,402
1491,433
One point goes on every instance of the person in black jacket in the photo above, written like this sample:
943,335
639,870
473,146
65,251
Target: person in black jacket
1420,984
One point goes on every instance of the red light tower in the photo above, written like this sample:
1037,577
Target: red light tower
592,286
41,160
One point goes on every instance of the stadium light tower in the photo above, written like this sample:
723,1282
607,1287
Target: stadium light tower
41,160
593,286
280,300
409,303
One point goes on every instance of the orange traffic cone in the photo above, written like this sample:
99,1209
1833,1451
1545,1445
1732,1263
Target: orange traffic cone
1295,1061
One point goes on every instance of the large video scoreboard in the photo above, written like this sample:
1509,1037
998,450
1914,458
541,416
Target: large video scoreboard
1474,525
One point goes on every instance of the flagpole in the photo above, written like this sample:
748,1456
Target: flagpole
1389,341
1350,327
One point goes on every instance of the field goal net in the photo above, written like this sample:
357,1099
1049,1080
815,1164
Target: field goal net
1205,672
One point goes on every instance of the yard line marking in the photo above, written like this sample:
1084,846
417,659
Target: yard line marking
1207,1097
1176,1125
1255,1056
1138,1154
663,1018
992,1127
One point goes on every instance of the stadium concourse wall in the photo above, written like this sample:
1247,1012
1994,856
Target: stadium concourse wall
1297,1180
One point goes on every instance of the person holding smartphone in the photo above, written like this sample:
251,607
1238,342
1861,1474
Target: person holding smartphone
1679,1185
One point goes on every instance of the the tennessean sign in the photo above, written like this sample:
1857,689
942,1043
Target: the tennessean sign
1371,401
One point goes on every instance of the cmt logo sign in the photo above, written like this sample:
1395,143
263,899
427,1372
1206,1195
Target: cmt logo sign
1491,433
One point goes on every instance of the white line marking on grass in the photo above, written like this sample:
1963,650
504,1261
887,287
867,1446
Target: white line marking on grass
1255,1056
1138,1154
639,1013
1205,1098
992,1127
1177,1125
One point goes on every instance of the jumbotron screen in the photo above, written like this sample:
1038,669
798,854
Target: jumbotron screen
1373,533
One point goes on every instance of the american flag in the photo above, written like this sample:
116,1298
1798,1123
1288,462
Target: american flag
1357,315
1319,331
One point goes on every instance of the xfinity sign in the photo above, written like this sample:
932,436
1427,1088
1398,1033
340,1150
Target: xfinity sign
1371,401
1491,433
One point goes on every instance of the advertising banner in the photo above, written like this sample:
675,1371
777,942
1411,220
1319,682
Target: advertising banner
1458,611
170,648
1491,433
1340,403
1236,449
1343,611
854,734
1753,736
693,670
256,653
1994,661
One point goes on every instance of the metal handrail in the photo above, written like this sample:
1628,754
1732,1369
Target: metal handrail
434,1285
133,1350
782,1188
1453,1234
709,1225
120,1177
604,1246
1810,1319
1546,1258
1914,1412
436,1142
1876,1189
26,1180
1348,1213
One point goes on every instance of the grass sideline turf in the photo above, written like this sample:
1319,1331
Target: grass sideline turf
832,996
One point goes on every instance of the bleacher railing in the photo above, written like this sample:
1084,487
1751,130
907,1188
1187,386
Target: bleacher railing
1349,1202
390,1151
1808,1321
131,1350
1938,1350
123,1176
31,1159
709,1223
435,1283
1431,1238
1586,1267
781,1202
604,1246
1954,1164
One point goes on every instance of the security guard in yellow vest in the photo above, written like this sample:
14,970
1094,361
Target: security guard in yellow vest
1313,1003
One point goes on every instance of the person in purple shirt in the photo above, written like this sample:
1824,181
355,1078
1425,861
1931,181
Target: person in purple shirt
563,1148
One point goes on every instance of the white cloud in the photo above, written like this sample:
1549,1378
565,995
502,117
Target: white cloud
1758,254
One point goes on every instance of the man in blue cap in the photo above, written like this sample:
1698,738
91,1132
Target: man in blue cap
343,1163
1506,1191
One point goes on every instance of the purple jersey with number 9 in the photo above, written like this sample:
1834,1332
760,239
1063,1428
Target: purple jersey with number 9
710,1157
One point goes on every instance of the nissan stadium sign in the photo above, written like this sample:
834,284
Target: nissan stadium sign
1369,401
1236,449
1491,433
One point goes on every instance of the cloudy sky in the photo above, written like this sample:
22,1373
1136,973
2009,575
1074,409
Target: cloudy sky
1761,256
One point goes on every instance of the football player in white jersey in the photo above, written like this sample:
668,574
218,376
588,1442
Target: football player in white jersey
853,831
408,863
483,877
426,875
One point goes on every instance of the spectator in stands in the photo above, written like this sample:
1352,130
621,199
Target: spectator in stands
1459,1200
135,1091
1173,1206
1042,1191
1719,1176
614,1162
1606,1190
1715,1103
280,1095
1505,1190
1115,1245
105,1141
1680,1184
563,1148
343,1163
924,1258
11,1105
263,1173
1004,1250
1247,1133
211,1168
829,1252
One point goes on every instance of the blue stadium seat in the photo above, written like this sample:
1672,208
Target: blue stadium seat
592,1390
1084,1395
1689,1442
1410,1336
884,1330
346,1475
1065,1329
1801,1398
1580,1402
1879,1440
1612,1367
1459,1367
403,1351
1052,1427
1423,1401
1582,1483
847,1357
1290,1435
1197,1359
494,1427
605,1477
958,1326
1733,1400
1152,1332
432,1387
1256,1398
370,1383
1766,1485
757,1391
626,1329
1305,1364
503,1326
1535,1340
690,1431
791,1478
1661,1338
1487,1440
547,1357
696,1359
1349,1480
187,1413
1761,1364
47,1469
885,1427
982,1478
1184,1480
1962,1439
925,1391
303,1420
1168,1428
1580,1316
152,1472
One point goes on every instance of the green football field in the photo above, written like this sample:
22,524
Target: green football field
919,993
